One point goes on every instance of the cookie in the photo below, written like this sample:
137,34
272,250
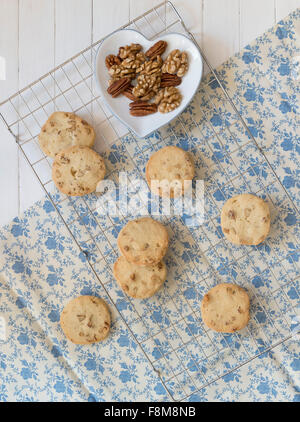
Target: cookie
77,170
225,308
63,130
143,241
173,165
85,320
139,282
245,219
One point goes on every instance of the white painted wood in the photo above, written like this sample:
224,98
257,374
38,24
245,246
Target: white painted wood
221,29
9,171
73,25
137,8
36,35
284,7
36,39
8,177
262,13
9,45
108,16
36,57
192,14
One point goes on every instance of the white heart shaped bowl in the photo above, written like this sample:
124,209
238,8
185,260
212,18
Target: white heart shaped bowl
145,125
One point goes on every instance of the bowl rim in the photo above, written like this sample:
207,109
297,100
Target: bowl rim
154,40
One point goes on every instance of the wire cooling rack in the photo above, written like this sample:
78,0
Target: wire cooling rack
168,327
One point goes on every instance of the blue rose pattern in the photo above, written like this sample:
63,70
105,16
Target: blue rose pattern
42,268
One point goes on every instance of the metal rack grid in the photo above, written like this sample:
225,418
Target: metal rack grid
168,327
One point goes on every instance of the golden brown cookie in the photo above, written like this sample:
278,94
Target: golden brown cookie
137,281
245,219
173,165
85,320
143,241
225,308
77,170
63,130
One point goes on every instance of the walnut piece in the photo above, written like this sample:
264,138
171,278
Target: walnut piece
125,51
151,67
176,63
168,99
134,61
147,86
118,71
131,58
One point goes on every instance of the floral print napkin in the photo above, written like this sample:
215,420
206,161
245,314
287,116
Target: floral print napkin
41,267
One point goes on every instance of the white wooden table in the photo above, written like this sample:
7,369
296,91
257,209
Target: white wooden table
37,35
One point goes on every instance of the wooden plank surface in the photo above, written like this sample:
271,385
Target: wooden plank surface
265,19
36,57
221,30
36,35
9,162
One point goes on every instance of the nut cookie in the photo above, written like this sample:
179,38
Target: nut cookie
139,282
245,219
173,165
143,241
77,170
63,130
85,320
225,308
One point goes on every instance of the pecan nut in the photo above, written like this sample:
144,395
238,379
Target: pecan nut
167,79
157,49
111,60
117,87
142,108
128,93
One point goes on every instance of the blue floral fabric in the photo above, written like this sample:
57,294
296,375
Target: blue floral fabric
159,348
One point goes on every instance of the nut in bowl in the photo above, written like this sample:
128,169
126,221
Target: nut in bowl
159,77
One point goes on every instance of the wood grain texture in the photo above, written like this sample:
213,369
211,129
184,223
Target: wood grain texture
9,46
137,8
262,13
73,26
192,14
108,16
36,39
36,35
9,163
284,7
221,30
36,57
